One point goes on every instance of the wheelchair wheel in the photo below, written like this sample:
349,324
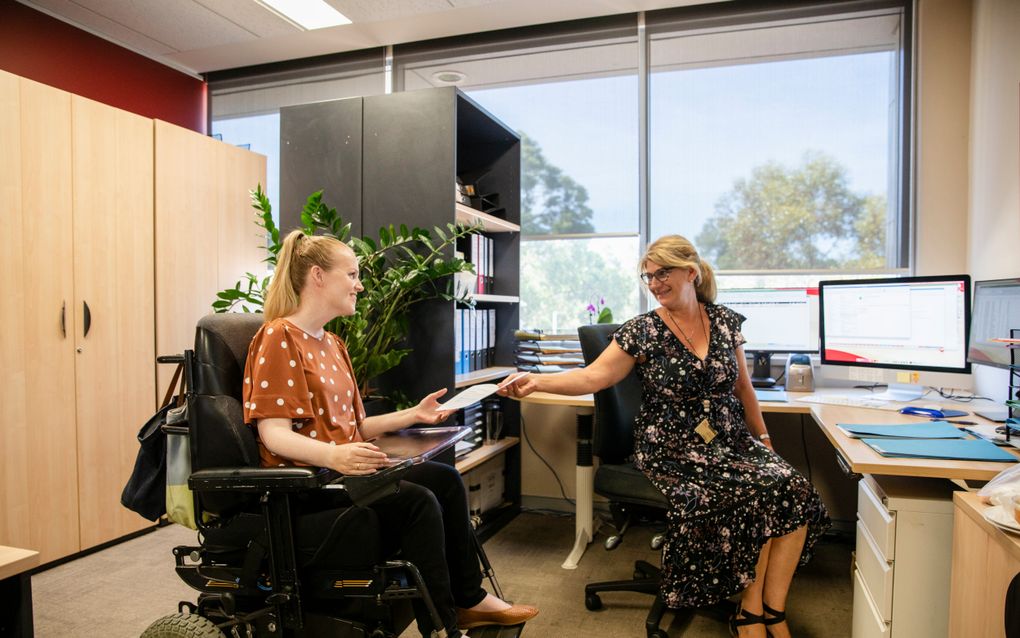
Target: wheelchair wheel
183,626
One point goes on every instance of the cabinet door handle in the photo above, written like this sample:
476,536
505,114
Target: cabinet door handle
88,317
63,319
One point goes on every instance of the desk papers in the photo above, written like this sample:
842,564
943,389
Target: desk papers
957,449
931,430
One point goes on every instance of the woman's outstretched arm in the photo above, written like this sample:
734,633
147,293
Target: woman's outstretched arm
609,369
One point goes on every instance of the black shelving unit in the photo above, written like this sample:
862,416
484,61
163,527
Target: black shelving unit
395,159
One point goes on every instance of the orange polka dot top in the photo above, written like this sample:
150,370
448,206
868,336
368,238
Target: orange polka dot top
292,375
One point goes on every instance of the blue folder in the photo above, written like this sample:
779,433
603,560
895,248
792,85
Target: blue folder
778,396
958,449
932,430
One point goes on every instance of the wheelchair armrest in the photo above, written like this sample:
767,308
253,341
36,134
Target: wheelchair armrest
253,479
362,490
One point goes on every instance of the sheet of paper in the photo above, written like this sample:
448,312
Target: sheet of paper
476,393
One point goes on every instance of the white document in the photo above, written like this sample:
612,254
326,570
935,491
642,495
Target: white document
476,393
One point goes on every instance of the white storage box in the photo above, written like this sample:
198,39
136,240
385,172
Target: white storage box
485,485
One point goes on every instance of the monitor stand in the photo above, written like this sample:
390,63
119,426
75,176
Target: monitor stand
761,374
901,392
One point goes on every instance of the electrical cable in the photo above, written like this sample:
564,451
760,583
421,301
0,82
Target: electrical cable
527,439
961,398
803,442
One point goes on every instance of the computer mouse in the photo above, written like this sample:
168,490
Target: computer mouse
919,411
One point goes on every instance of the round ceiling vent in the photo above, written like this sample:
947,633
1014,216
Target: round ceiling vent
448,77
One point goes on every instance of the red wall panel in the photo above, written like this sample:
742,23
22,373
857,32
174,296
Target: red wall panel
39,47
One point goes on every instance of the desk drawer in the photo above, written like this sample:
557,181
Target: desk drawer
867,622
876,573
877,519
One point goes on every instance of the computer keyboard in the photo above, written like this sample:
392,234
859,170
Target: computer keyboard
852,401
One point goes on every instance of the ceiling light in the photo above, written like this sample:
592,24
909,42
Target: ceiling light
448,77
306,14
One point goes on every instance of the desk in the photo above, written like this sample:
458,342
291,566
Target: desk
584,512
855,456
16,590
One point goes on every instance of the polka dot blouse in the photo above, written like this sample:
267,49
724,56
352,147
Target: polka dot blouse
292,375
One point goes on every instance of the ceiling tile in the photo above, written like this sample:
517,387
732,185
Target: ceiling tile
248,15
80,16
181,24
375,10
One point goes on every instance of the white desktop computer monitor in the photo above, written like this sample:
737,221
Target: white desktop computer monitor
779,320
996,314
905,323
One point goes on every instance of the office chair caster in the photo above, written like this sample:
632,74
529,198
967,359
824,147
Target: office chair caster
613,541
592,602
183,626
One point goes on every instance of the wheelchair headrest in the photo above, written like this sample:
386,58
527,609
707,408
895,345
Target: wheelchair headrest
221,347
616,407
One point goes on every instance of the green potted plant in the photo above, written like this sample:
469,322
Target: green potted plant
403,267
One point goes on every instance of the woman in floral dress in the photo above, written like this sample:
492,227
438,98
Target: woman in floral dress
740,516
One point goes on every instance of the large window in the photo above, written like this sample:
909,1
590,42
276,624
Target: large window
776,146
777,138
573,99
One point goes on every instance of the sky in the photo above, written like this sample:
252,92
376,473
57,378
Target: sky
708,127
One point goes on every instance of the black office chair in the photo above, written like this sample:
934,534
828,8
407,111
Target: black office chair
260,569
630,493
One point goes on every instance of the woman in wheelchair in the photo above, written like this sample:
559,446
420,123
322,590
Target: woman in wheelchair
301,396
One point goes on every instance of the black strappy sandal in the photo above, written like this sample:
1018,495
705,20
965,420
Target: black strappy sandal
775,618
748,619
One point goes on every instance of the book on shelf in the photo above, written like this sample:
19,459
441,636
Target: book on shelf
474,339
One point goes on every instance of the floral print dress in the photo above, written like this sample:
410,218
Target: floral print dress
727,495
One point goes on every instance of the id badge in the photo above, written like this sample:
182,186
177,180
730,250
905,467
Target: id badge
705,431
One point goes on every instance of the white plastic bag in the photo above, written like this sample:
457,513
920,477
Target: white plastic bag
1001,489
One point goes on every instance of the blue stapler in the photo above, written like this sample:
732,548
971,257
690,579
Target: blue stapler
932,412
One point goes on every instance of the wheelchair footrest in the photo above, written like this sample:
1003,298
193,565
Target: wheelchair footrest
496,631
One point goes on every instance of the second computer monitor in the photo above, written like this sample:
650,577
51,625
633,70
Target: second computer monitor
779,320
906,323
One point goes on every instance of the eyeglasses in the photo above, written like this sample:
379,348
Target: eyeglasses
662,274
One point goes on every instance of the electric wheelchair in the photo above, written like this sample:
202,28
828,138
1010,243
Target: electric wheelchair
261,570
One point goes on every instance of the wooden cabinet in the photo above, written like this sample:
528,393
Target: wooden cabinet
78,375
206,237
985,561
39,491
113,320
79,309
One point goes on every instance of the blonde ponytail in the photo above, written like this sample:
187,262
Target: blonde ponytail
296,257
677,251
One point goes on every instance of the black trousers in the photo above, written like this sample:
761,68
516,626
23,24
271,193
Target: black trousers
427,520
